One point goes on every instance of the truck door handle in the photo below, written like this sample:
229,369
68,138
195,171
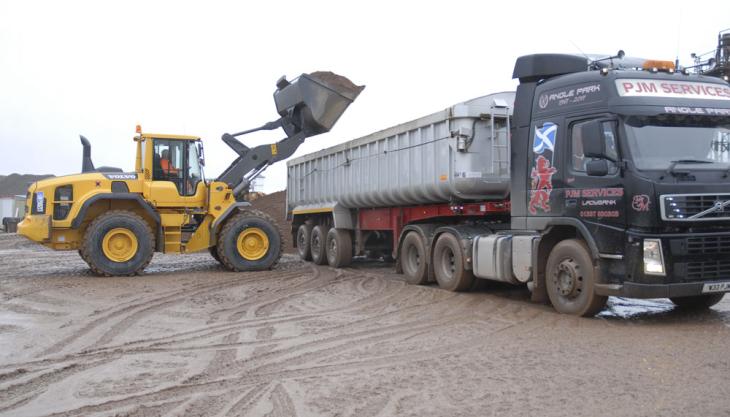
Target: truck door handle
571,202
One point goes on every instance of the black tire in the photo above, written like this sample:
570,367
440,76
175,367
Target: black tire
264,232
570,280
339,248
697,302
318,245
214,253
413,259
100,262
304,241
448,264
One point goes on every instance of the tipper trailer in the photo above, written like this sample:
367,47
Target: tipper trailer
596,178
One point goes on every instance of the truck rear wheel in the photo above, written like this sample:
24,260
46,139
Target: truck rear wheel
570,280
448,264
250,241
318,245
118,243
698,301
339,248
413,259
304,241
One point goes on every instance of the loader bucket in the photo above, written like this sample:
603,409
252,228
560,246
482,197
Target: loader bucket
314,102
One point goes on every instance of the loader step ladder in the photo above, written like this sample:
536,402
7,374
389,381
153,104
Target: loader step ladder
173,236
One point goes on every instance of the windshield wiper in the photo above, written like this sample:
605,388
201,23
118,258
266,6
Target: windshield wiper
674,163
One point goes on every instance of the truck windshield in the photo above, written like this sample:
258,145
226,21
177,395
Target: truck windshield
657,141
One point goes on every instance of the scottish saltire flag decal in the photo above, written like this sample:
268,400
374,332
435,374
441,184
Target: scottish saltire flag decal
544,138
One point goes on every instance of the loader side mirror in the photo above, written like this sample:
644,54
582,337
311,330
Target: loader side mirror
201,154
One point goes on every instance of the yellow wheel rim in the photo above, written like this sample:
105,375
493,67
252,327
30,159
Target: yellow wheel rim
252,244
119,245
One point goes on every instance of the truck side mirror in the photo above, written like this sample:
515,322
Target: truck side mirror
597,168
594,144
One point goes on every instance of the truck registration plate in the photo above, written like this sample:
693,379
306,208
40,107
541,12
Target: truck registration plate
716,287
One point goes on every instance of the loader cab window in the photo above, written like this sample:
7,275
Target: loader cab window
172,161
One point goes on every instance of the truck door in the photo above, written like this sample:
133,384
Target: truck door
597,201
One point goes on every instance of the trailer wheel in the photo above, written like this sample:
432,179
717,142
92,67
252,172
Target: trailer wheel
304,241
318,245
339,248
697,302
448,263
250,241
118,243
413,259
569,279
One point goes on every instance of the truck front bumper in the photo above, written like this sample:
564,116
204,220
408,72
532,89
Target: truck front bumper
636,290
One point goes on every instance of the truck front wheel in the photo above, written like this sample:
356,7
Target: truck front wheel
570,280
118,243
698,301
250,241
448,264
413,259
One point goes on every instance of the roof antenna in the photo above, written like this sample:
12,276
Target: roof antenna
581,51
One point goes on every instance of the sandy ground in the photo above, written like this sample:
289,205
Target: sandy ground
188,338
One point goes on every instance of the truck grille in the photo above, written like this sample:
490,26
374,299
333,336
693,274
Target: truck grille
708,270
708,245
695,207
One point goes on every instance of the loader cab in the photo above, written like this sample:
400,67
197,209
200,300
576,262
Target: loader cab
173,170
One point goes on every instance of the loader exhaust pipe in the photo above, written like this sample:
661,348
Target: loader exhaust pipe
86,164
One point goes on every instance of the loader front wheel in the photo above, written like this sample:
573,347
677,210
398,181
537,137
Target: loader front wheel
117,243
250,241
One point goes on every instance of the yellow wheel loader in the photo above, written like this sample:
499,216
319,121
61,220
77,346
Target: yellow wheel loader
117,220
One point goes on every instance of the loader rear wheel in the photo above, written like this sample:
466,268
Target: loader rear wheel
413,259
318,245
448,264
339,248
304,241
117,243
250,241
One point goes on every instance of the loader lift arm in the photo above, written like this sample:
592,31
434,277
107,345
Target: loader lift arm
309,105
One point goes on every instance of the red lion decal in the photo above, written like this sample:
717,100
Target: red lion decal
542,185
640,202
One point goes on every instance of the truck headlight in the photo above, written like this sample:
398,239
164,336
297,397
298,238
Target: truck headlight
653,258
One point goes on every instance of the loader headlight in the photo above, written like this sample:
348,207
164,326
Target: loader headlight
653,258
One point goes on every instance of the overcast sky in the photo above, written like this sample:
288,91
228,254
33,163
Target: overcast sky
205,68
